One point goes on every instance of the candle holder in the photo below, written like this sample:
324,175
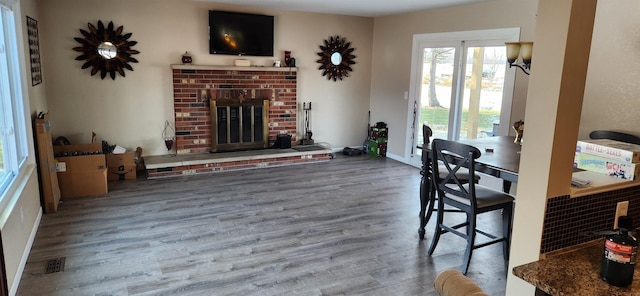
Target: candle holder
169,136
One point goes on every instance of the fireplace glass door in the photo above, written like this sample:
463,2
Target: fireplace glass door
239,124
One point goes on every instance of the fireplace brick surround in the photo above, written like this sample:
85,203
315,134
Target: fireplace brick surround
195,85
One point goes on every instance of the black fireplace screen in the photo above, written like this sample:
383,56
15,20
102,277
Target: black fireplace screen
239,124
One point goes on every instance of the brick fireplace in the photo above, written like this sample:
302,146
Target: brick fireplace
195,85
197,89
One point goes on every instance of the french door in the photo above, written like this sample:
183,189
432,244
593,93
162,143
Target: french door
460,86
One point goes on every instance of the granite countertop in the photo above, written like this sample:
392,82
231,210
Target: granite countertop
574,271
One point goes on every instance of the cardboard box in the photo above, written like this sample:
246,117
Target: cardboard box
78,149
82,170
121,166
620,151
49,189
115,160
607,166
122,172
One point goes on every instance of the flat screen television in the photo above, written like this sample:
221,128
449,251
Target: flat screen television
235,33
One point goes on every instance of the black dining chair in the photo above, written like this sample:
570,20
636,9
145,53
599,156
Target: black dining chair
469,197
613,135
428,196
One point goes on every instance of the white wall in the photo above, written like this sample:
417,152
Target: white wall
612,96
131,110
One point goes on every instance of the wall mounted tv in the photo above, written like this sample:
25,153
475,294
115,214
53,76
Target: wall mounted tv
235,33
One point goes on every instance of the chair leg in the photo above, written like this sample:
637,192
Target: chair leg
507,221
427,199
438,228
431,200
423,207
471,238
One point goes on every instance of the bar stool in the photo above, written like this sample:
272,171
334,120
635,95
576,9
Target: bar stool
471,198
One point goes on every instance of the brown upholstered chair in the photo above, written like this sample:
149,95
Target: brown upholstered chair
451,282
471,198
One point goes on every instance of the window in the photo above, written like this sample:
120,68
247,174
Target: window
13,135
460,86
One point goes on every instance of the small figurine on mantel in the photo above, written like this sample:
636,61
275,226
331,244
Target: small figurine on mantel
518,126
186,58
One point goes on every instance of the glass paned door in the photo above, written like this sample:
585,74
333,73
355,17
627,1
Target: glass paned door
482,92
436,90
434,84
459,86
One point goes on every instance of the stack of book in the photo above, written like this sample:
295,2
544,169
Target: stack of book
614,158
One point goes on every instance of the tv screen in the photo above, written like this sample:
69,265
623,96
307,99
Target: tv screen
236,33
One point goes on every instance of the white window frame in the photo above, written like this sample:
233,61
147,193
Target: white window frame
14,110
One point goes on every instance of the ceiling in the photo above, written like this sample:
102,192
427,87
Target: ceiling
367,8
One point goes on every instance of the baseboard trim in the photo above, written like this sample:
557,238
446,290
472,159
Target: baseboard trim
25,255
397,158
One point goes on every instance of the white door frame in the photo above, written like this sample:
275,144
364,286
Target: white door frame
446,39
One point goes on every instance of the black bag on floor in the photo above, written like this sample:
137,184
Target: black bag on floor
351,152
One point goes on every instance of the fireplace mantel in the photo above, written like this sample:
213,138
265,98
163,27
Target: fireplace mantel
232,68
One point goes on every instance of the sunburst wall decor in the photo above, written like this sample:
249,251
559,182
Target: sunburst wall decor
336,58
106,50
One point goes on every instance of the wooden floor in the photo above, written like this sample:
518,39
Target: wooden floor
344,227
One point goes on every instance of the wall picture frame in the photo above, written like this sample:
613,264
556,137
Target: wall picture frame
34,51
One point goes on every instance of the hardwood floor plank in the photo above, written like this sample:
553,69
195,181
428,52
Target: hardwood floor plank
343,227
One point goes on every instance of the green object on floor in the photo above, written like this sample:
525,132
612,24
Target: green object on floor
373,148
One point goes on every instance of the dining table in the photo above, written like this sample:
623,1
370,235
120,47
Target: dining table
500,158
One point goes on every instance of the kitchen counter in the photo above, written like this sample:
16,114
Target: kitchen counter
574,271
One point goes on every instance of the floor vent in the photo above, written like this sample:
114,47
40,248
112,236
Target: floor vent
54,265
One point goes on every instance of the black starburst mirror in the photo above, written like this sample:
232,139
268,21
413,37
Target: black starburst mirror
106,50
336,58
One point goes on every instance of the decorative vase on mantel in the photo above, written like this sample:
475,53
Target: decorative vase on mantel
186,58
287,58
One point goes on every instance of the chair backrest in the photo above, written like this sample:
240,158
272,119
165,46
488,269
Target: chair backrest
427,132
613,135
455,156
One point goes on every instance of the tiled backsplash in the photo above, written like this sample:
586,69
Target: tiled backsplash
566,218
